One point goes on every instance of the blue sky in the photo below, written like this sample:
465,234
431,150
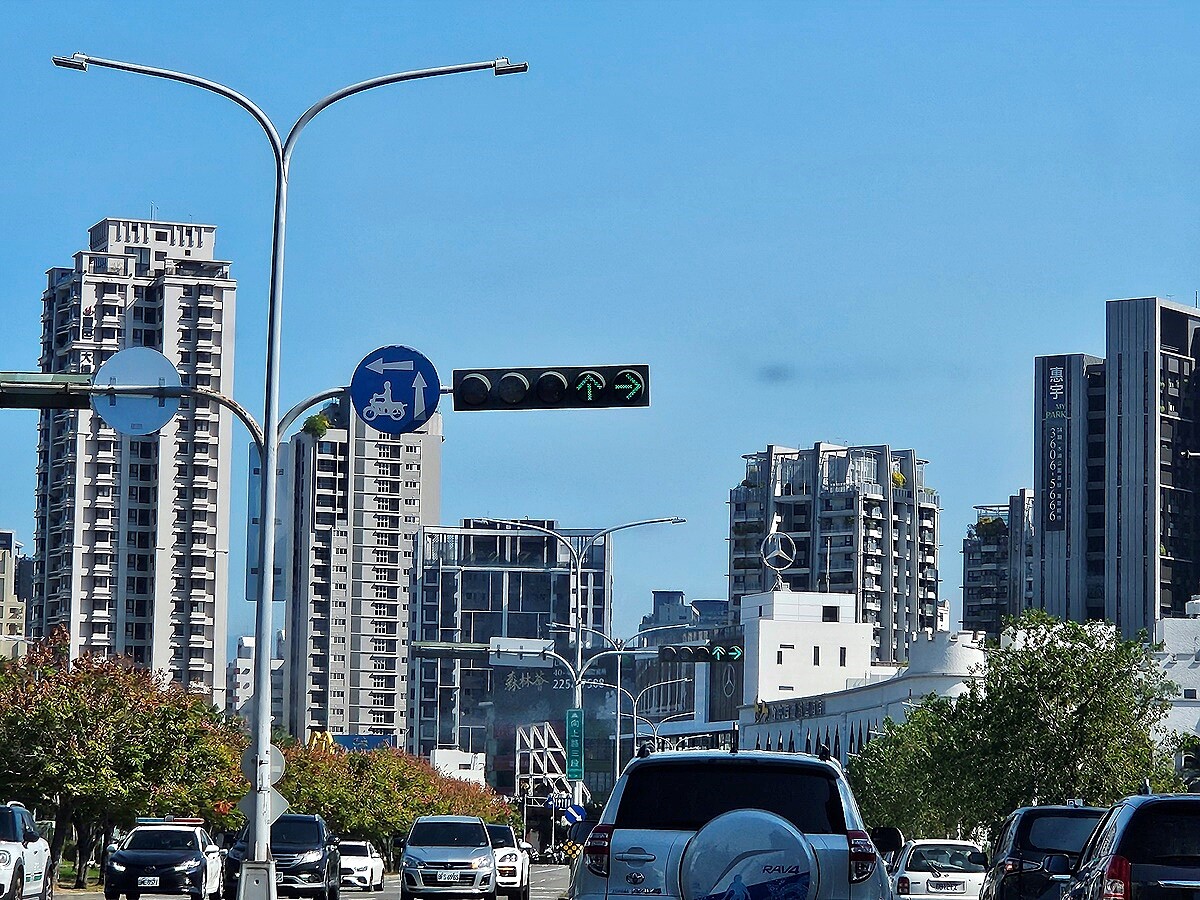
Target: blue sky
845,222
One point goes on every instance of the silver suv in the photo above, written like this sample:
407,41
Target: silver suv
701,825
448,855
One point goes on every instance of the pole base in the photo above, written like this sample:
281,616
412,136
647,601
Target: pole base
257,881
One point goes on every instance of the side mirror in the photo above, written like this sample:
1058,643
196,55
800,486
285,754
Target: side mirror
525,845
224,854
111,848
30,836
333,840
211,849
887,840
976,858
1057,866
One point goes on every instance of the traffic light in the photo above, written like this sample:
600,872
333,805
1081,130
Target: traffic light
712,651
552,387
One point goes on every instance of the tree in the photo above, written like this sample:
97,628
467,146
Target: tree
1061,710
100,741
317,425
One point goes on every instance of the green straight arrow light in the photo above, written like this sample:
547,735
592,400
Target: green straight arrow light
589,384
718,652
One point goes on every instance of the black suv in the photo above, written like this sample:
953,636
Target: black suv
1028,836
307,862
1145,848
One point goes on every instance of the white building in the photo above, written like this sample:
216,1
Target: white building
351,500
132,533
454,763
864,522
239,680
12,607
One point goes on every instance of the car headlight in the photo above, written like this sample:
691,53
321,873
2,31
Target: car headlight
482,862
509,857
190,865
115,866
309,856
5,858
412,862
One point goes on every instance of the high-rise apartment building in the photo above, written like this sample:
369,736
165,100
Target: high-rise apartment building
1115,470
485,580
132,533
998,554
864,522
12,606
239,680
351,500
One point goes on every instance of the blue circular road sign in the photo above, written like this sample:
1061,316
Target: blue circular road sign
395,389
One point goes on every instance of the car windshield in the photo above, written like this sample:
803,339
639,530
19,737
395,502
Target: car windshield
685,796
1164,834
161,839
501,836
941,858
353,849
448,834
295,831
1060,832
8,824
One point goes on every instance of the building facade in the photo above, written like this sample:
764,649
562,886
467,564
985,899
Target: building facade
351,500
998,555
485,580
864,522
12,604
132,533
1115,471
239,680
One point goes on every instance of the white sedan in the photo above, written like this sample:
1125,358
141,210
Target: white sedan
938,869
362,866
512,862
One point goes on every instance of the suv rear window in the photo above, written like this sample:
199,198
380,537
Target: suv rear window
1164,834
1060,831
685,796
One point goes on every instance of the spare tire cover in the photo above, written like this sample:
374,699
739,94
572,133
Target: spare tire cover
748,854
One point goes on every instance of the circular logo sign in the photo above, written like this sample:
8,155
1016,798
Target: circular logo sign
778,551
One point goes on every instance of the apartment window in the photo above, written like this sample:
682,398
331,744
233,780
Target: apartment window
816,656
842,656
830,614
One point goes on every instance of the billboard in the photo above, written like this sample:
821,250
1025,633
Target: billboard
1054,444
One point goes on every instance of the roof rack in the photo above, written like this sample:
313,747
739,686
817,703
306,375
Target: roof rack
168,820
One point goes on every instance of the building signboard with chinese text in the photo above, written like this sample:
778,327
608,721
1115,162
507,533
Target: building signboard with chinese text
1054,444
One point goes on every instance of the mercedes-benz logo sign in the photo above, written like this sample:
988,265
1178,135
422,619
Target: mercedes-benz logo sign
730,679
778,551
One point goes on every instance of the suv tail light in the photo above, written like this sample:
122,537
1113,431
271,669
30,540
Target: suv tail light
863,856
595,850
1016,864
902,884
1116,879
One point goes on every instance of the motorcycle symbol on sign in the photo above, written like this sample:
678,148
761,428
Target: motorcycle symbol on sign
382,404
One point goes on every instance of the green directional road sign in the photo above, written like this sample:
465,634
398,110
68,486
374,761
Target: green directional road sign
575,744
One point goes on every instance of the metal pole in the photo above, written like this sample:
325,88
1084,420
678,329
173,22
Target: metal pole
617,746
261,784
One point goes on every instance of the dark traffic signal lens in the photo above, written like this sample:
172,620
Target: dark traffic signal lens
473,390
513,388
551,388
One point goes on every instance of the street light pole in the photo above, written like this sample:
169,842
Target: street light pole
282,151
577,557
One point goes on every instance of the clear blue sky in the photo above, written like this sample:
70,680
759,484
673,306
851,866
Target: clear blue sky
845,222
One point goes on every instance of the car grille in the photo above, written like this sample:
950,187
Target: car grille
508,871
286,859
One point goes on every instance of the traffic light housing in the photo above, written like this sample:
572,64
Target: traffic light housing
711,651
551,387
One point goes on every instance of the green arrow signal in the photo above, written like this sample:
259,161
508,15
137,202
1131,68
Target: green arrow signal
735,652
718,652
630,384
589,385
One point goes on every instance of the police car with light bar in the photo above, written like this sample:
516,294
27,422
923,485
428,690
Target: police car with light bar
164,856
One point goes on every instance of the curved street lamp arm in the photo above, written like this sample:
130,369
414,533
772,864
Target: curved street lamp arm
587,665
525,526
501,67
659,684
81,61
559,626
666,520
296,411
658,628
149,390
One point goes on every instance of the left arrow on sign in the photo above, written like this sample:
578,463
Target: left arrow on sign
378,366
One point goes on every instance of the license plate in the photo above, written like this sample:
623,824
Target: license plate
147,881
946,887
448,876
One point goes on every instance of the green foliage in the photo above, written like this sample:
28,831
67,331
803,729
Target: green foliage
1063,710
377,794
316,425
101,742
